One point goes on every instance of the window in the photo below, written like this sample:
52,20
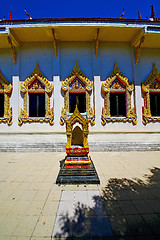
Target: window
151,93
36,104
78,99
155,104
37,91
5,95
77,90
118,99
118,104
1,105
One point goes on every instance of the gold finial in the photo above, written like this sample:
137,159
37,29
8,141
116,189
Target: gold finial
76,67
36,68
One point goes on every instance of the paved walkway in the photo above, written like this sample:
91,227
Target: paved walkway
127,201
81,214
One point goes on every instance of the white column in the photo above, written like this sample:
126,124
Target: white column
139,104
91,99
15,104
58,102
51,97
99,102
132,100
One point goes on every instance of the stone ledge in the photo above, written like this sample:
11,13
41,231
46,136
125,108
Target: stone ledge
93,147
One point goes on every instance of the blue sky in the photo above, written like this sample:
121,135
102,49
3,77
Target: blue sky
78,8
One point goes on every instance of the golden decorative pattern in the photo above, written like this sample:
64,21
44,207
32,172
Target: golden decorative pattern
77,82
117,85
151,84
77,117
155,85
36,86
1,88
77,151
36,83
117,82
77,86
6,89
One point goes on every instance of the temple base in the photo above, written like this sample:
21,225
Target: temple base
77,174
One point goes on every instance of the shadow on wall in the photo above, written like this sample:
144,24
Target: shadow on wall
130,210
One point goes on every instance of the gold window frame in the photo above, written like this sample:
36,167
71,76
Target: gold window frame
6,89
122,85
150,85
25,90
82,85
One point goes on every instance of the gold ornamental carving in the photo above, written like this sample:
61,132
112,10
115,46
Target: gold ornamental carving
77,151
77,82
6,89
150,85
77,117
117,82
36,83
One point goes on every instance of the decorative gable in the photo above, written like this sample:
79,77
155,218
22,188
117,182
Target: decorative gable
77,85
118,85
36,85
117,78
150,85
77,73
36,75
154,76
155,85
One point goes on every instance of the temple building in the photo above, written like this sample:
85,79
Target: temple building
108,70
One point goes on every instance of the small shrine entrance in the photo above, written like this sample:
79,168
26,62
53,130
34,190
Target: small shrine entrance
77,148
77,137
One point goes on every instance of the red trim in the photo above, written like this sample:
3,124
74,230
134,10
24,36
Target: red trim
77,160
83,165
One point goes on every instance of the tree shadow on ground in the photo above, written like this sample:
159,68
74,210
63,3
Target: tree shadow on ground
127,209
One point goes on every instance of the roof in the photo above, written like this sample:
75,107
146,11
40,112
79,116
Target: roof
81,29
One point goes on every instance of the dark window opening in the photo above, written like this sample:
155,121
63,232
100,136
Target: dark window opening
37,104
78,99
155,104
1,105
118,104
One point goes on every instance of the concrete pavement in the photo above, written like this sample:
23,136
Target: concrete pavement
30,200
